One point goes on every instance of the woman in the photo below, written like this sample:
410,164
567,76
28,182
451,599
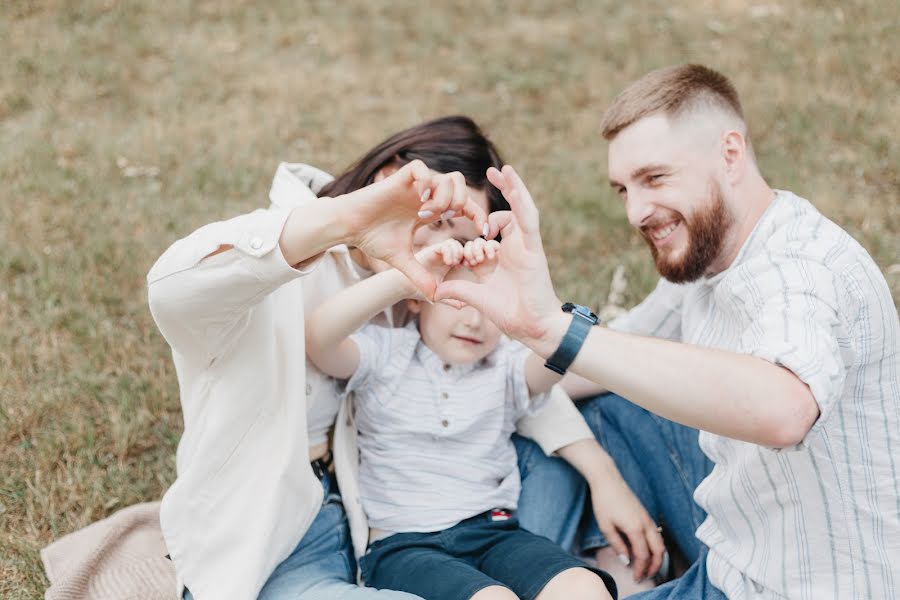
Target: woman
246,517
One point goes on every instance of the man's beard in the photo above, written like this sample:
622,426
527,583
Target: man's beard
706,231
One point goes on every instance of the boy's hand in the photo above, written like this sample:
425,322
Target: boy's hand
439,259
481,256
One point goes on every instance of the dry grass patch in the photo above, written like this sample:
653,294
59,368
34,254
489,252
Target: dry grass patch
125,125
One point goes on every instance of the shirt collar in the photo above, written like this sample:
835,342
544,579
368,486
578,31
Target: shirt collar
296,183
753,242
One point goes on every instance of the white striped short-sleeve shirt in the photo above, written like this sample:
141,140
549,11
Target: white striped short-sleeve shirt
820,520
434,438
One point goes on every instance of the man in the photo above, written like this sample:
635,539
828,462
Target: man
772,332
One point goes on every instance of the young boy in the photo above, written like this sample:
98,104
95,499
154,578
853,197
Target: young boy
436,403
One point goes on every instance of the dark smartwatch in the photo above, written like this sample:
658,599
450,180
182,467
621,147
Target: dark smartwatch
582,321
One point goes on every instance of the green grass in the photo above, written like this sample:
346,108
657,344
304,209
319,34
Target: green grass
214,94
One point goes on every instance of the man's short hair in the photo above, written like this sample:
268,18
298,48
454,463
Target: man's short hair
672,91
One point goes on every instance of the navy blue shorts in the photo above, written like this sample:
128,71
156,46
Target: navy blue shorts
456,563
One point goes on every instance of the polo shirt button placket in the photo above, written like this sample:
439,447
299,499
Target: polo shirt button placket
445,422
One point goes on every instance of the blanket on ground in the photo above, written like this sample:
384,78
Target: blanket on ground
122,557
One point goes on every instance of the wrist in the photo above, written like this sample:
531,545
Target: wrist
603,470
338,215
549,333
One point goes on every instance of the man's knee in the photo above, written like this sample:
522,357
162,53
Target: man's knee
575,584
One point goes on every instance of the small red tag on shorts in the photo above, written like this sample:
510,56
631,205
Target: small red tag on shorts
500,514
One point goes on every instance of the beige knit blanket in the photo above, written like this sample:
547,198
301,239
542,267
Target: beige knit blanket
122,557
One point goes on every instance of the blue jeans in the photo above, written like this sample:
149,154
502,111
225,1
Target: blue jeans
662,463
553,494
322,566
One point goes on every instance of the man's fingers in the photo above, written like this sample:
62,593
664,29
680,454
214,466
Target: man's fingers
526,210
457,304
467,292
502,222
513,189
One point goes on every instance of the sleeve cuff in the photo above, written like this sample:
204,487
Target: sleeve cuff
556,425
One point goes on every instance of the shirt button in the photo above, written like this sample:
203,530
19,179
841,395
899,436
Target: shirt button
444,395
446,367
445,423
256,243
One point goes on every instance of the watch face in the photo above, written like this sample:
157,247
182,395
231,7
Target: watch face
583,311
586,312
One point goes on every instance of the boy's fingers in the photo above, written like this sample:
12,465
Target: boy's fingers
468,252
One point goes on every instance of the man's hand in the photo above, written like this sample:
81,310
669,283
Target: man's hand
385,215
518,296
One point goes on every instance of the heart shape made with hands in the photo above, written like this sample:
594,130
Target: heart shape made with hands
474,261
385,216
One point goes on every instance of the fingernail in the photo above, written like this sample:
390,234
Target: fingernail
624,560
448,214
426,195
486,230
424,214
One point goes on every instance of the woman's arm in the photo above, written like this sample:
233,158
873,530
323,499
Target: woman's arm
202,288
620,515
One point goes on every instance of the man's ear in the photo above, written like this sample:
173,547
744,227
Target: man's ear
386,171
736,154
414,306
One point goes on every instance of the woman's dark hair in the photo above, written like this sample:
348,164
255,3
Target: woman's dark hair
446,144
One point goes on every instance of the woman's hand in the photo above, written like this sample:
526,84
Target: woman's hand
518,296
384,216
621,517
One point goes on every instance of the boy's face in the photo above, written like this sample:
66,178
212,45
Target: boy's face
457,336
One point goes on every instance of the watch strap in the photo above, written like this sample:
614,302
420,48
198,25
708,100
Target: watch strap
573,340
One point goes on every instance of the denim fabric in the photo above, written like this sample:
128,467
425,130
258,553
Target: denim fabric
663,463
693,585
553,494
455,563
322,566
